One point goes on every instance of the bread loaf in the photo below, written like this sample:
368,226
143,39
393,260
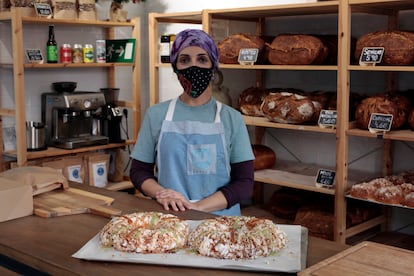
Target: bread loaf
300,49
285,107
229,47
250,101
265,157
398,46
396,105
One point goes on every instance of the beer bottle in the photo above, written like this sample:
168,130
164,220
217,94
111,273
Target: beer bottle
51,46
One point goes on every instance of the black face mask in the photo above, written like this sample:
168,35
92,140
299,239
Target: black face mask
195,80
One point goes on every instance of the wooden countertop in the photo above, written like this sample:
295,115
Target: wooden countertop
47,244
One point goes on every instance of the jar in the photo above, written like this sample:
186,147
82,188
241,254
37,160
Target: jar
88,55
77,53
65,53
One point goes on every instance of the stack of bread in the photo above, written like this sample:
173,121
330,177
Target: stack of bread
282,49
394,189
291,106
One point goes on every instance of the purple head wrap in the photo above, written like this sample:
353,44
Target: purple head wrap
194,37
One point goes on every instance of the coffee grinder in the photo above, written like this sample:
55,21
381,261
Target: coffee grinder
111,116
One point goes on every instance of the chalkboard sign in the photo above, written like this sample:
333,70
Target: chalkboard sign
34,55
325,178
327,118
380,122
371,55
248,56
43,9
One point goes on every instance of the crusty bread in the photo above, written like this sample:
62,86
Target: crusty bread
299,49
398,45
229,47
397,105
265,157
250,101
289,108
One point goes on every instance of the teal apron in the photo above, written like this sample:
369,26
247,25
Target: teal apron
192,158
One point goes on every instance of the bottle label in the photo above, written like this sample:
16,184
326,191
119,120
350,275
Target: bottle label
52,53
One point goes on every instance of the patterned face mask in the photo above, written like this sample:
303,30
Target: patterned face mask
195,79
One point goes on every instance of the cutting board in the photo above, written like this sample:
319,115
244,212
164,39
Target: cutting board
366,259
72,201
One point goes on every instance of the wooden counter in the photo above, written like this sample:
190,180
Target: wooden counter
47,244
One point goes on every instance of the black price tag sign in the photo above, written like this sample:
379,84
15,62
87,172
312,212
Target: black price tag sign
248,56
380,122
34,55
327,118
325,178
43,9
371,55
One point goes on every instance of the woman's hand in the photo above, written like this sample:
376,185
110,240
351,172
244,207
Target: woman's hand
172,199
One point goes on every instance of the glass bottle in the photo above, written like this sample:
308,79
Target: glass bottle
51,46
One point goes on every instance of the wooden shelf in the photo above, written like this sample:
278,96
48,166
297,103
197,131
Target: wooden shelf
18,21
51,151
302,176
263,122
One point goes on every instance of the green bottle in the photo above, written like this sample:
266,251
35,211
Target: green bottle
51,46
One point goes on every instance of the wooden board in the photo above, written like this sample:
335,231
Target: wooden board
72,201
366,258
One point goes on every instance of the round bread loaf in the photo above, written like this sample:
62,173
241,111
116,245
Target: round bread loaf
396,105
299,49
229,47
287,108
265,157
250,101
398,46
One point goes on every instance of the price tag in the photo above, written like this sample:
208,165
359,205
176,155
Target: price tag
325,178
327,118
34,55
43,9
371,56
248,56
380,122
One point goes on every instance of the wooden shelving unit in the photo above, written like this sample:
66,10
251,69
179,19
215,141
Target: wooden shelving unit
298,175
20,68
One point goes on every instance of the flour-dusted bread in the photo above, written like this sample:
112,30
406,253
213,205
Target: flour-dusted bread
394,104
297,49
289,108
250,101
229,47
398,46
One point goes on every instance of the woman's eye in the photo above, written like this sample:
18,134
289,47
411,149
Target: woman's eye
203,59
183,60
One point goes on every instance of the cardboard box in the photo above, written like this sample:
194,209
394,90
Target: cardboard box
16,199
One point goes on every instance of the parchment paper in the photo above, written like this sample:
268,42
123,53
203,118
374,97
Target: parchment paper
290,259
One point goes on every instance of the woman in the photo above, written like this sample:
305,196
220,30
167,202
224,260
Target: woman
200,147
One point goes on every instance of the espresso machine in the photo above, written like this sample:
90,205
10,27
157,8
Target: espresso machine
69,117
